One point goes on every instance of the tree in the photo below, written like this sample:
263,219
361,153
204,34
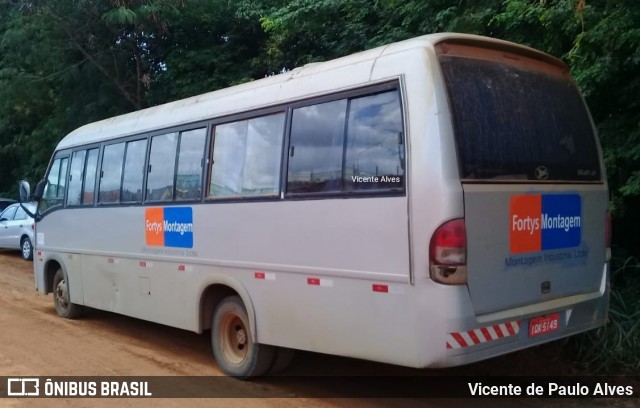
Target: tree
66,63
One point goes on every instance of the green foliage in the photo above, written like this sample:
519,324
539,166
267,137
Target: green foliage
601,44
121,15
303,31
606,63
208,46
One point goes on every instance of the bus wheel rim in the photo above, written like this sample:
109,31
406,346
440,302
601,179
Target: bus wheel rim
235,341
61,294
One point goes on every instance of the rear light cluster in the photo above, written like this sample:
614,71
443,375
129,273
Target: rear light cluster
448,253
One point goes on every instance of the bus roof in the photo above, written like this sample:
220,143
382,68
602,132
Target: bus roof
304,82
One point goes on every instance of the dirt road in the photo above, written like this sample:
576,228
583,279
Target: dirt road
34,341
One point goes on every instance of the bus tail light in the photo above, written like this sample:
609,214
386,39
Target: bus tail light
448,253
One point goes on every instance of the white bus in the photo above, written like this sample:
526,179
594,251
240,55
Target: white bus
429,203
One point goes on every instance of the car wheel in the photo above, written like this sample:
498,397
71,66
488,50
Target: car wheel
27,249
233,348
62,298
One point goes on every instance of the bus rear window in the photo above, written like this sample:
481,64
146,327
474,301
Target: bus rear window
512,122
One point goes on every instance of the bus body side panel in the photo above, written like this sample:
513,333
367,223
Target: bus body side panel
38,272
364,238
434,190
329,275
381,318
69,261
310,267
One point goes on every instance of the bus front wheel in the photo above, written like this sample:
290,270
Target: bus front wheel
62,299
233,348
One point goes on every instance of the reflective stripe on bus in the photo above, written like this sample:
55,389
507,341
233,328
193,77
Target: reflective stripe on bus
482,335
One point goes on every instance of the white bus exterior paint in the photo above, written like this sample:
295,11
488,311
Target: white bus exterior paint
346,262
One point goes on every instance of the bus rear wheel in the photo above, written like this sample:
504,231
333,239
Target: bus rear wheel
282,360
233,347
62,298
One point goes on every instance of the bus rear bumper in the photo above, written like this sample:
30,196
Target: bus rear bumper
491,339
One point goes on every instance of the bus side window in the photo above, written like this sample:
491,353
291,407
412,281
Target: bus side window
246,157
374,148
347,145
56,182
134,171
111,174
91,168
317,143
190,162
162,163
76,177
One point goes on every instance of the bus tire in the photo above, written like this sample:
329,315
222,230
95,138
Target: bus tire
62,298
233,348
282,360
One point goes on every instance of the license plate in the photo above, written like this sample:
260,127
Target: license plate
544,324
